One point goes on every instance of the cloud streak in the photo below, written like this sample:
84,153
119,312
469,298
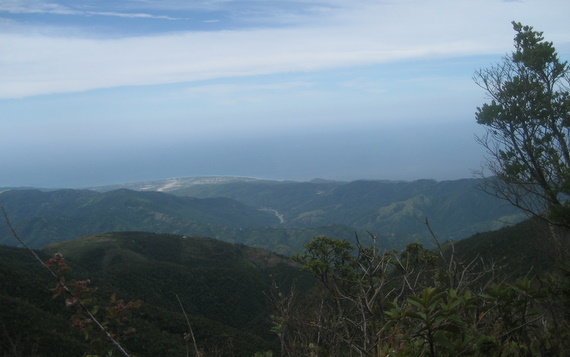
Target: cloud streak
40,7
36,64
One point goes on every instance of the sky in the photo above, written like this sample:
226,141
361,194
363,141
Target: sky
100,92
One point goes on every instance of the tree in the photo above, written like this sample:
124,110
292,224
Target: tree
528,127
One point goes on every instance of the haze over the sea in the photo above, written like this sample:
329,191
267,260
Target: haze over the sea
104,92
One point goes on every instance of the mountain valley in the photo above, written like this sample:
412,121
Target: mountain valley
276,215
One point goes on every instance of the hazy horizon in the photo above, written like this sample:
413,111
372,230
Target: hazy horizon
107,92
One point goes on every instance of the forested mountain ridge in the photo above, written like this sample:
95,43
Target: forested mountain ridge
221,285
456,208
527,248
275,215
47,217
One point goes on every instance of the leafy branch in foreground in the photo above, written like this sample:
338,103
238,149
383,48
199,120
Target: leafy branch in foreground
416,302
85,317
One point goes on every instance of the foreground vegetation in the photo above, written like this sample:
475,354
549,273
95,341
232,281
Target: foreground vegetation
420,302
464,299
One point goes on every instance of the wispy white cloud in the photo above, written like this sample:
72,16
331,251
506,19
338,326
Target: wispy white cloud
129,15
353,34
42,7
34,7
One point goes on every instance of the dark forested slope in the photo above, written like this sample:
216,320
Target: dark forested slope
222,286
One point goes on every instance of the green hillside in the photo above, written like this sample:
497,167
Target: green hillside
47,217
221,285
274,215
526,248
457,209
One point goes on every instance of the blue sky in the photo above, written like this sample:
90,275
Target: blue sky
101,92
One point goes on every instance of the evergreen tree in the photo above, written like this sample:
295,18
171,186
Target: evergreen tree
528,128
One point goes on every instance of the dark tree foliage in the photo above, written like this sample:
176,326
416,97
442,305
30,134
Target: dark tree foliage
528,127
369,302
